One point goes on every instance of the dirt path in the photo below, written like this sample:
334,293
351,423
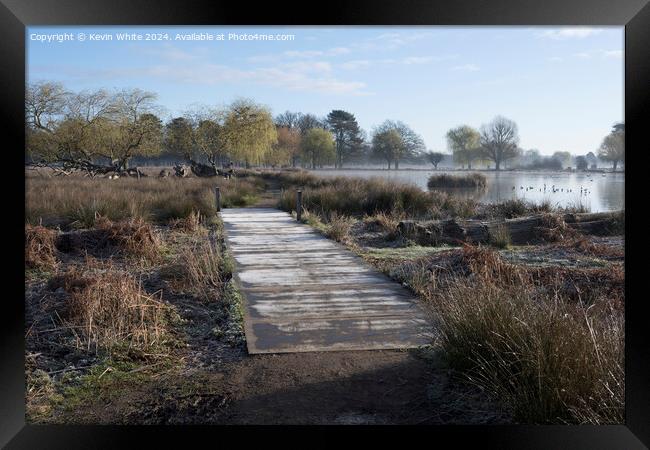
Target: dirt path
359,387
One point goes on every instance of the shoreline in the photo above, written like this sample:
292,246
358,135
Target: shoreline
417,169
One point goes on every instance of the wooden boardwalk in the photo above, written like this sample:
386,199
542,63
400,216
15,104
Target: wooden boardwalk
303,292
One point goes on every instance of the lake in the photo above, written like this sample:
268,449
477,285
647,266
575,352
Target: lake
600,192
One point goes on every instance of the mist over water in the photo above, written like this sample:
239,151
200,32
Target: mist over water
600,192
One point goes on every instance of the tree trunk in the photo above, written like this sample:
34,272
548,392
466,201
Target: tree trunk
396,164
497,165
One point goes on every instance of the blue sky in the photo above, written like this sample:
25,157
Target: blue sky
563,86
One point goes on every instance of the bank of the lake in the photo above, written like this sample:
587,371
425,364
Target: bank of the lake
596,191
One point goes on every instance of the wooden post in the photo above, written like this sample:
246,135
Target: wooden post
217,193
299,204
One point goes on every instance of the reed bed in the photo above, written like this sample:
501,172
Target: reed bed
75,202
444,180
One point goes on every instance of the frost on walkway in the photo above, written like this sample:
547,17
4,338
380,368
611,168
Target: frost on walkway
303,292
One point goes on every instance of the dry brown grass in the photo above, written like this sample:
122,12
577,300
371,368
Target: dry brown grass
73,202
200,270
383,222
106,307
40,249
549,342
586,246
133,238
357,196
189,224
338,227
500,237
555,229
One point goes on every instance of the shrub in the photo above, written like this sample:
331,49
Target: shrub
40,250
443,180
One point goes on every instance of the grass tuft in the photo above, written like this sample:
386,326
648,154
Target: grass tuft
189,224
500,237
40,249
339,227
554,354
106,307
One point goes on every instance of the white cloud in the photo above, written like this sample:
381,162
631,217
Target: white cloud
613,54
466,68
555,59
398,39
314,53
170,53
416,60
297,76
338,51
408,60
303,53
569,33
356,64
308,66
298,54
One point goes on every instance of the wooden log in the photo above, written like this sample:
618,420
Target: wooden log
598,227
590,217
522,230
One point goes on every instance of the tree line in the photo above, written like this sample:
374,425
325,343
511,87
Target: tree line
100,131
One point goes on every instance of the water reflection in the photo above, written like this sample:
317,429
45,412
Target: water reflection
595,191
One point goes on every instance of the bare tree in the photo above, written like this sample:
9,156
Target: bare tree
71,132
499,140
45,102
288,119
308,121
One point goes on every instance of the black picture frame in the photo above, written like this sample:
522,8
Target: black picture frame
15,15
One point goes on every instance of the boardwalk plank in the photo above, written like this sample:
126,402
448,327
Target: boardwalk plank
304,292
